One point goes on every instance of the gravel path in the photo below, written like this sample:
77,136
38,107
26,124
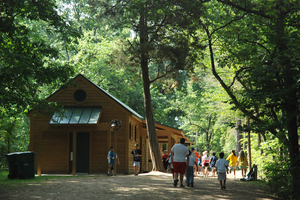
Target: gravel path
153,185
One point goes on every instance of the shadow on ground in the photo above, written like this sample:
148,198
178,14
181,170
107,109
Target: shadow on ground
144,186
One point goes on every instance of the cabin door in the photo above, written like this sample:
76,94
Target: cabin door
82,152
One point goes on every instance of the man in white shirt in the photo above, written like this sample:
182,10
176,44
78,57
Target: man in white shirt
178,154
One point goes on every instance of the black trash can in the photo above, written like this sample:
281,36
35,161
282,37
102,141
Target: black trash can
21,165
12,159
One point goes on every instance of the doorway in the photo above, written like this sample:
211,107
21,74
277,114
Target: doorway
82,152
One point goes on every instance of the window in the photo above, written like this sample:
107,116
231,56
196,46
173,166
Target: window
79,95
76,116
130,130
135,133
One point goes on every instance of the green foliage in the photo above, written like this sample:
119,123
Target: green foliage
28,61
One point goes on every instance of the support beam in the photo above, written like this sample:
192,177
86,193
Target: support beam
74,152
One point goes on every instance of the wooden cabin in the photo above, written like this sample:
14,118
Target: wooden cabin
76,138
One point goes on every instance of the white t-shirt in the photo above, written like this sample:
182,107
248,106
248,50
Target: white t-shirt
192,161
205,159
221,164
180,152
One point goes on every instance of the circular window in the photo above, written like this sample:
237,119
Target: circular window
79,95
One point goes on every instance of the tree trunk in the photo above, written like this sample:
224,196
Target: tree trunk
152,136
238,137
291,103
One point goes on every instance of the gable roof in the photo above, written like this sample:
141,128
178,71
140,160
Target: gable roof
108,94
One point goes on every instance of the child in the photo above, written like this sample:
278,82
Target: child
232,161
200,164
111,161
189,172
243,163
171,166
221,166
205,163
213,161
165,159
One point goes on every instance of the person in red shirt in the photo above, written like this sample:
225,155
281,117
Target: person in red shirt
165,159
196,169
196,156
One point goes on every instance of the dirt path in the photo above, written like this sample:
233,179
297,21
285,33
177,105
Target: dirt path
154,185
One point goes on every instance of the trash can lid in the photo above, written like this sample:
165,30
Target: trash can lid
17,153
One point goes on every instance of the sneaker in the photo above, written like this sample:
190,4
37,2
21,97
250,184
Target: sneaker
108,173
175,182
224,187
111,174
182,185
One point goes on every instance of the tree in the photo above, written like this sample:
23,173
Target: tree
206,113
27,60
162,44
260,41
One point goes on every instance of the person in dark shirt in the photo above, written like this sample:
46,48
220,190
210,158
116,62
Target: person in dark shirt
137,154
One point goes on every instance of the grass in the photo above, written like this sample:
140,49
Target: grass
259,183
6,183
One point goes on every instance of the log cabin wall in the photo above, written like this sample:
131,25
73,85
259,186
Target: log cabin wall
56,145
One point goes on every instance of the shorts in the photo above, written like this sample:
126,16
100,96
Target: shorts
179,167
243,167
214,168
111,166
221,176
136,163
206,164
232,167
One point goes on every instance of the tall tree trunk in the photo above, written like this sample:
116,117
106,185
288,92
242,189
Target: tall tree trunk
152,136
238,137
291,102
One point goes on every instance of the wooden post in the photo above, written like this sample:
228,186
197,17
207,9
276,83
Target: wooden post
115,154
74,153
39,167
108,138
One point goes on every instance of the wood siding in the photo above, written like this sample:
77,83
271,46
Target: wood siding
51,143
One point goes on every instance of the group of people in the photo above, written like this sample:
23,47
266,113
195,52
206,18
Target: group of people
184,161
136,153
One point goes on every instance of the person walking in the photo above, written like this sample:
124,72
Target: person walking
189,176
111,161
221,166
194,154
242,163
205,163
200,163
178,154
137,154
171,166
232,162
213,161
165,160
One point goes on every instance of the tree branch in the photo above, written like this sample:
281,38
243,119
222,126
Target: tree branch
248,10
